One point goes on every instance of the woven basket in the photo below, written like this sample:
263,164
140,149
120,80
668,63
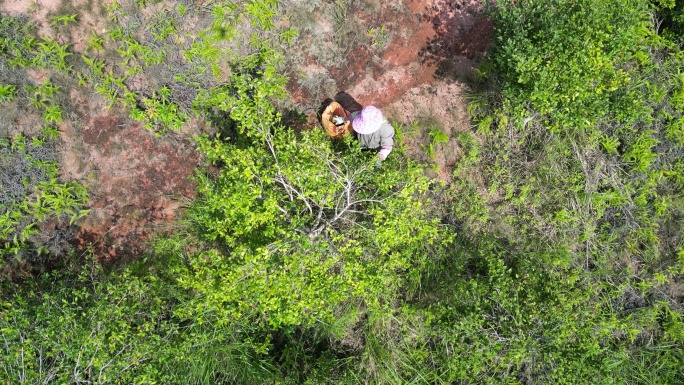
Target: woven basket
336,132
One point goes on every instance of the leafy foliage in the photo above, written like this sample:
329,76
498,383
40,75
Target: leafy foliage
574,152
299,227
555,256
113,327
32,195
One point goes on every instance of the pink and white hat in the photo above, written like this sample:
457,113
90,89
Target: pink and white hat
368,121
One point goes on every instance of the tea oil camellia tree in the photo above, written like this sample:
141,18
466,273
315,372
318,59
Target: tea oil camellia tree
298,226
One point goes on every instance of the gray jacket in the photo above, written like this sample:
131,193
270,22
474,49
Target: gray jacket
382,138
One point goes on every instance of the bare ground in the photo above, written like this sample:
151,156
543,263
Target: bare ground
137,182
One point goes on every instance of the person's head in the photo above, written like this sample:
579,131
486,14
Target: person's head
368,121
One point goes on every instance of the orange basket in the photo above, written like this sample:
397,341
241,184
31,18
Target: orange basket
336,132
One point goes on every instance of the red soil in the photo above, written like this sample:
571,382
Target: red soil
137,182
436,40
422,74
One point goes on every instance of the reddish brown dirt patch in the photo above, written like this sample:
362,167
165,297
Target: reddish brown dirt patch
382,78
137,182
462,35
432,107
423,73
431,41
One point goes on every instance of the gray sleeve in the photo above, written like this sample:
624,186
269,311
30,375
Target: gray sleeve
386,135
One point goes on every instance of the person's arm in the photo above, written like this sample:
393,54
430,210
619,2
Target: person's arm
386,140
384,151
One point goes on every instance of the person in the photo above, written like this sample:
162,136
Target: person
372,130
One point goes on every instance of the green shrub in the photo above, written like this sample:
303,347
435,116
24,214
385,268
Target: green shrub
299,228
577,137
32,195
